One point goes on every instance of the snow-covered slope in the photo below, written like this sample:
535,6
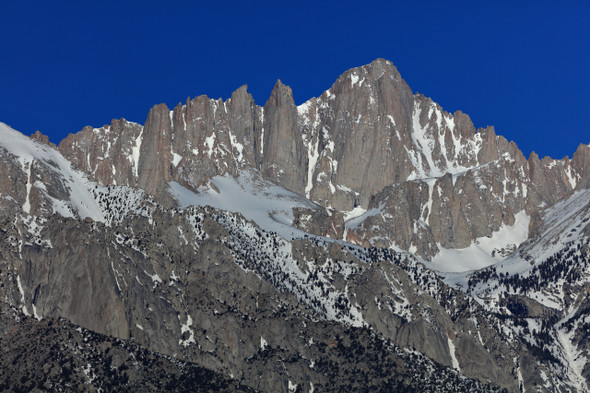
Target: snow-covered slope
565,228
59,187
27,153
259,200
484,251
563,223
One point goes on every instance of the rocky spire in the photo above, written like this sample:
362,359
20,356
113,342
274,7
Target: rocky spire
284,157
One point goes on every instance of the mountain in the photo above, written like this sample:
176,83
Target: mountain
365,240
363,147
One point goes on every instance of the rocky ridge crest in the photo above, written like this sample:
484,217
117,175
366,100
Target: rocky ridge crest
366,143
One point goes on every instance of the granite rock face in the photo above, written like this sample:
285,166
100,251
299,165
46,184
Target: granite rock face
108,154
284,156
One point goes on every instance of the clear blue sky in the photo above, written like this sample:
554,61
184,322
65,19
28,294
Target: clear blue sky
524,67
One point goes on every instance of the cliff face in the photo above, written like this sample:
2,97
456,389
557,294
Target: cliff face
363,142
108,154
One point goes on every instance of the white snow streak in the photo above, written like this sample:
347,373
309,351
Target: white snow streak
22,296
312,159
27,204
136,152
263,343
454,360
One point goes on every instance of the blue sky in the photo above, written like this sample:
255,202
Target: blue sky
520,66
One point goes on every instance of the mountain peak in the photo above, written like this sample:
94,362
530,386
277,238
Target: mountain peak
241,90
40,137
281,94
375,70
382,64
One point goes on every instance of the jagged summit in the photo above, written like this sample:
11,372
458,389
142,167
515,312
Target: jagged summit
342,150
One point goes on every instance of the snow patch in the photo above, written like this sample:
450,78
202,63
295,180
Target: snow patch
483,251
354,213
186,328
269,205
303,109
356,221
312,159
561,220
155,278
519,375
263,343
574,358
22,296
454,360
176,159
209,141
27,204
239,148
35,314
135,151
